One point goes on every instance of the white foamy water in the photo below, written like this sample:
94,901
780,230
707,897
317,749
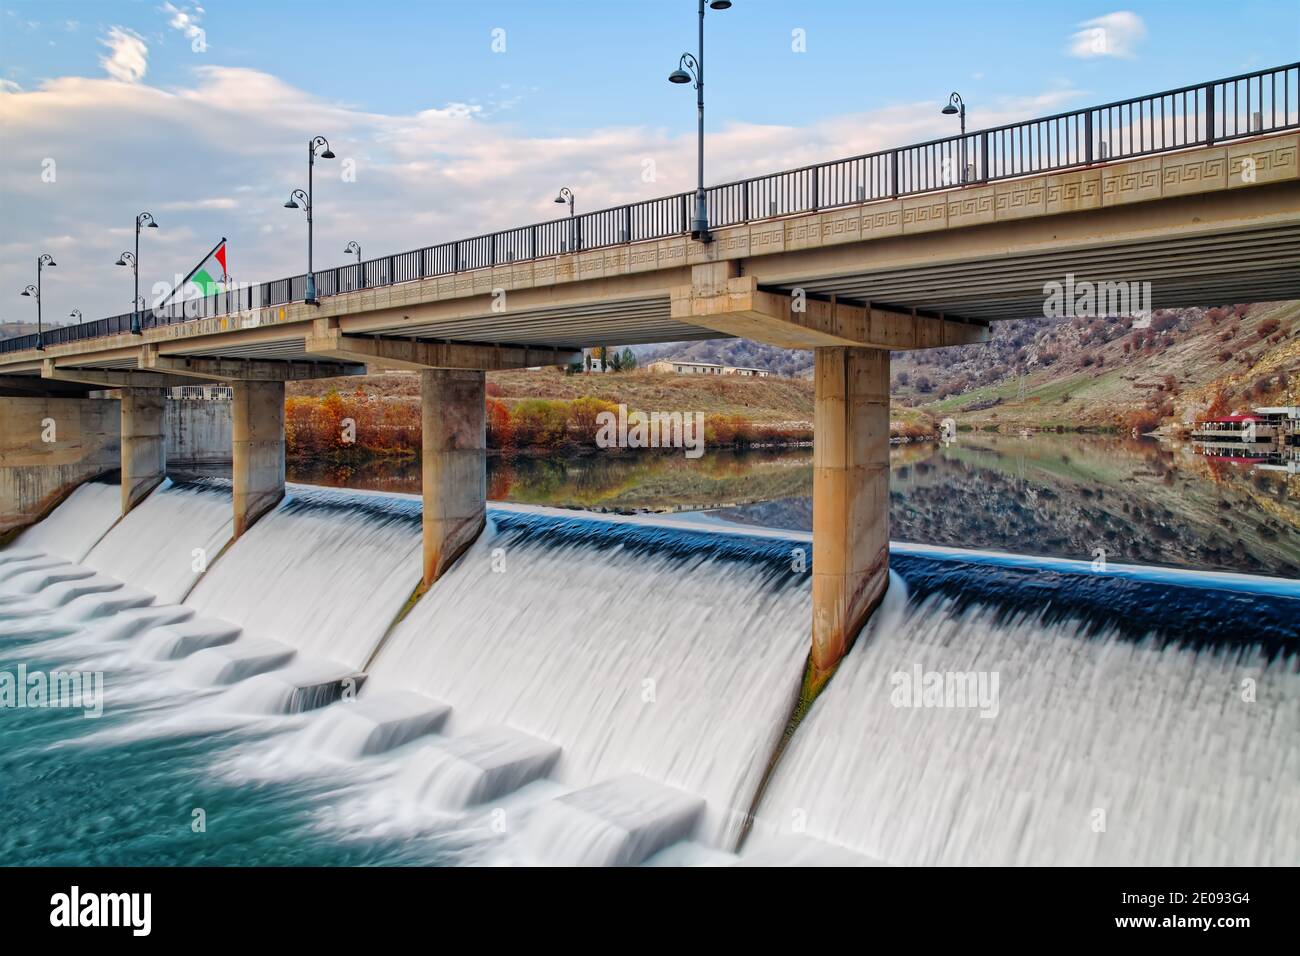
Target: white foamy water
672,663
324,571
167,540
77,524
609,691
1102,751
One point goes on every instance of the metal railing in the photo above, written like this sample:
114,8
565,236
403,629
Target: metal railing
1252,104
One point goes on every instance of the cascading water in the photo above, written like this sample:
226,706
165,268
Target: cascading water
325,571
670,653
77,524
615,689
980,735
167,540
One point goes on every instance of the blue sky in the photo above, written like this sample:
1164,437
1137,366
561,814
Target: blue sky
573,65
451,138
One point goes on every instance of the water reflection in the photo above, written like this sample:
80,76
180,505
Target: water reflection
1075,496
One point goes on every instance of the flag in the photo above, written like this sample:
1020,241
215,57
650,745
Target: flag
211,271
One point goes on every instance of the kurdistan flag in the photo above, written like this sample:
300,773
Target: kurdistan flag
211,271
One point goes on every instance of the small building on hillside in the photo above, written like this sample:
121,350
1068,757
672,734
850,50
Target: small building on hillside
681,367
684,367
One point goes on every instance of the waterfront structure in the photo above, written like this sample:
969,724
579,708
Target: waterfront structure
853,258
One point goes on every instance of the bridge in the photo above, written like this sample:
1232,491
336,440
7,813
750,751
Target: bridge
1194,191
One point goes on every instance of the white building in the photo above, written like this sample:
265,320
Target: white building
682,367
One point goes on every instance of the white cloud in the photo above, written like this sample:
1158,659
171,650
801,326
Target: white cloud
9,86
1115,34
128,56
218,156
184,21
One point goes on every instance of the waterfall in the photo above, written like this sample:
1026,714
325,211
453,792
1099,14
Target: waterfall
1097,749
617,687
670,653
167,540
325,571
77,524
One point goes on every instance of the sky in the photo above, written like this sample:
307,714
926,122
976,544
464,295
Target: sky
453,119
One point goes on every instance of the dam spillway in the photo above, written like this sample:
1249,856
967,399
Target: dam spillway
589,690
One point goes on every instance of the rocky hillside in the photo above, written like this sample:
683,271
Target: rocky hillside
1070,373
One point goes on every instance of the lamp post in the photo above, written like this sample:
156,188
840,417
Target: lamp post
956,107
34,291
313,144
142,220
75,314
692,68
354,246
566,195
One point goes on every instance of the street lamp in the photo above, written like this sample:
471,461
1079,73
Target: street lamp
314,144
692,68
75,314
34,291
955,107
126,259
565,195
354,246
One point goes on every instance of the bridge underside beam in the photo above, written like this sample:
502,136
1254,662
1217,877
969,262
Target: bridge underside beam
735,305
326,340
245,370
109,378
144,443
850,496
20,385
257,449
454,460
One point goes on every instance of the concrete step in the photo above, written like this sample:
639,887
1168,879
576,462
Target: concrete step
30,579
618,822
99,604
62,593
296,688
459,772
228,663
374,723
172,642
137,620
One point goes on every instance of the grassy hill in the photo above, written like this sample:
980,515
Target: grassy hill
1036,373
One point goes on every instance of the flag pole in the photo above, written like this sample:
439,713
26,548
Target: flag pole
197,267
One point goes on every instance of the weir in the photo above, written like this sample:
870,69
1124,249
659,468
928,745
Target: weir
610,725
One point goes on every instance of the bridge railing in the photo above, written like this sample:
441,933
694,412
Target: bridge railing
1251,104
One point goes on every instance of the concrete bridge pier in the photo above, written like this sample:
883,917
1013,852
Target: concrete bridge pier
851,342
850,566
257,449
453,398
144,443
454,460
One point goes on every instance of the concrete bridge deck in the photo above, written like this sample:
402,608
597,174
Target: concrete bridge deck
1203,223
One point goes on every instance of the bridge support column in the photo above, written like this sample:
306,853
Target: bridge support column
257,445
850,496
454,464
144,443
